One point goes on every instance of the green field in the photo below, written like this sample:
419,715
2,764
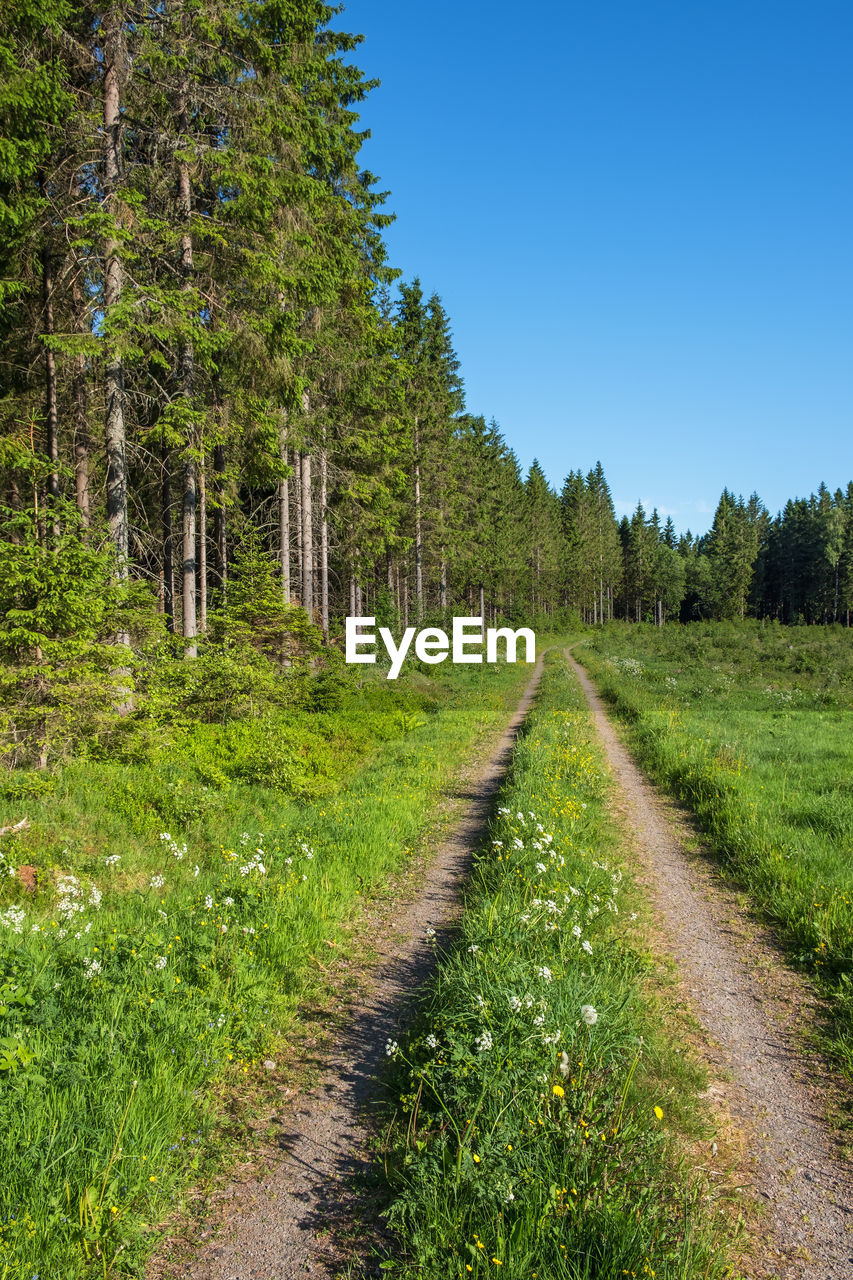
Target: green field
539,1107
750,725
180,902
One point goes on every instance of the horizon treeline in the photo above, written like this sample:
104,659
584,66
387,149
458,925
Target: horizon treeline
211,386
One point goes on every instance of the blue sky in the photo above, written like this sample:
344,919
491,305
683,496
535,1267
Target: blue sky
638,216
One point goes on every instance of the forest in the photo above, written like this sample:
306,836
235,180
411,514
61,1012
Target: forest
225,421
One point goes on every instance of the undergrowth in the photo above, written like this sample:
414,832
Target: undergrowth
160,926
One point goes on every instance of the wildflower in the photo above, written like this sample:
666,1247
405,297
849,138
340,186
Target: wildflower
95,896
208,903
160,962
195,870
585,946
544,972
13,918
558,1091
429,932
549,1040
484,1042
473,948
229,902
480,1002
563,1065
541,868
539,1020
514,1003
518,844
391,1047
576,931
659,1113
157,882
431,1042
91,966
520,817
475,1157
589,1015
112,859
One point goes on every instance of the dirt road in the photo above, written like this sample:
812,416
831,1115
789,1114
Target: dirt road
298,1221
749,1003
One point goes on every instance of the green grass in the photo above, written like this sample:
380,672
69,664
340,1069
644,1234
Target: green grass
751,727
539,1109
143,979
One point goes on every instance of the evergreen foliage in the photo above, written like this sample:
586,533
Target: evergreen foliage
200,355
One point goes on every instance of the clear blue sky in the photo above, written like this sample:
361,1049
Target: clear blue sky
638,214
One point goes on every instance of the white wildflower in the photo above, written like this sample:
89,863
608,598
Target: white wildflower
112,859
589,1015
473,948
514,1003
544,972
484,1042
541,868
13,918
585,946
157,882
431,1042
391,1047
160,962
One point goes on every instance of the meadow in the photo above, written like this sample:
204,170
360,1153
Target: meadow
160,921
750,726
539,1111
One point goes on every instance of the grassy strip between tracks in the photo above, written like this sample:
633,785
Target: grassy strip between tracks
541,1109
750,727
151,970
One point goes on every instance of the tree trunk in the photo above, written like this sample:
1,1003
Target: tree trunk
307,539
51,412
219,522
442,583
168,545
284,524
483,606
419,568
187,376
300,550
188,611
114,396
202,547
324,546
81,420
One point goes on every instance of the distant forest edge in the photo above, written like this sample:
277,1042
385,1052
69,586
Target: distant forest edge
214,410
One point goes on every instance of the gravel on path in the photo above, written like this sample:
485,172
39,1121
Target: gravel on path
298,1220
748,1003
